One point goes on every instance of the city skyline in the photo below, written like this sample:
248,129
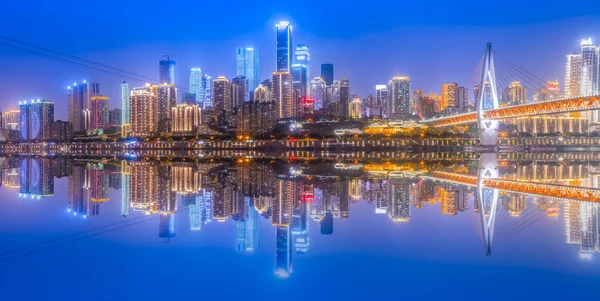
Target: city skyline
363,83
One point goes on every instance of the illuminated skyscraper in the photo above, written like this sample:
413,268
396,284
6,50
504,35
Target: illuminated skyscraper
300,79
167,99
247,229
248,66
515,94
573,75
196,84
166,70
207,91
125,188
41,119
303,58
115,116
381,98
589,68
241,94
283,94
462,97
144,110
549,92
318,91
327,74
98,116
399,97
10,120
222,98
448,95
262,94
186,119
284,46
80,97
125,114
355,108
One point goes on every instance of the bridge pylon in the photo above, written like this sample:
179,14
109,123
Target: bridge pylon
486,100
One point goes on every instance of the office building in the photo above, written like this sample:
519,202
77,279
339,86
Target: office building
79,99
300,79
284,46
115,116
248,66
196,84
318,91
206,92
381,99
303,58
327,74
166,70
344,98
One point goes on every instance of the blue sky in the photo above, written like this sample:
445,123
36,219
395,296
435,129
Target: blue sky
432,42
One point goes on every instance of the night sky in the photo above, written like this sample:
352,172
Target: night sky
430,41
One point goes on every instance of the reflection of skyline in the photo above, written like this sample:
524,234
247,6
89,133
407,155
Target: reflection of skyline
244,192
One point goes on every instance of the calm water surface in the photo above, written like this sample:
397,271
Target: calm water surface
271,230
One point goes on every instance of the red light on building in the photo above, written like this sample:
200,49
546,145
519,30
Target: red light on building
308,197
308,101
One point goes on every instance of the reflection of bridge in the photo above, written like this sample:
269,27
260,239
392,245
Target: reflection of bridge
488,111
488,185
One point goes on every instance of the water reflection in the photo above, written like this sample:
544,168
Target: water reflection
289,195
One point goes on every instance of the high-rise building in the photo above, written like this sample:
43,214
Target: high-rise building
283,94
344,97
573,75
448,95
98,116
144,110
248,66
186,119
10,120
166,70
167,99
36,120
381,99
417,96
61,131
355,109
114,116
318,91
515,94
125,94
207,91
300,79
327,74
242,93
303,58
589,68
549,92
196,84
284,46
399,97
462,97
80,98
262,94
222,98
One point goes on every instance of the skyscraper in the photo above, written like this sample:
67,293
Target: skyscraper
36,119
300,79
242,94
318,90
381,99
196,84
98,116
222,98
448,95
115,116
462,97
355,108
262,94
399,97
327,74
283,94
125,114
80,97
207,91
589,68
166,70
573,75
284,46
344,97
144,110
248,66
515,94
303,58
167,99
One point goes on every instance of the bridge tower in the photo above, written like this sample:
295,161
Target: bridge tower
487,198
486,100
